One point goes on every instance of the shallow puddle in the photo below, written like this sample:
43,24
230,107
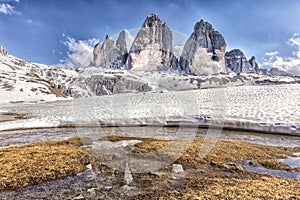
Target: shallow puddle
280,173
293,162
20,137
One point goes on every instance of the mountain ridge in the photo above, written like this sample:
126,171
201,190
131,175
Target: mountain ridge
26,81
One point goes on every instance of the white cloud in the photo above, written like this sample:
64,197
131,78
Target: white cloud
80,52
271,53
7,9
289,64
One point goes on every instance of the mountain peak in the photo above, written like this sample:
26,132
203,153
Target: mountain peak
3,51
202,25
151,21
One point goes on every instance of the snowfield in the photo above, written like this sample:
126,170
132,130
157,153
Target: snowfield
267,108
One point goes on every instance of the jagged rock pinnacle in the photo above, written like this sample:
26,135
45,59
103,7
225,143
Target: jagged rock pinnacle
3,51
151,21
204,51
152,47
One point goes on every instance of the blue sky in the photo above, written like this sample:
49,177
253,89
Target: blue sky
50,31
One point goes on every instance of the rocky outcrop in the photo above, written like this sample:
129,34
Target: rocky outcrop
114,84
237,62
254,64
125,85
121,43
275,72
111,55
96,54
152,47
204,51
3,51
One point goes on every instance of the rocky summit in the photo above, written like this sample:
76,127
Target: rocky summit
203,53
237,62
254,64
152,48
109,54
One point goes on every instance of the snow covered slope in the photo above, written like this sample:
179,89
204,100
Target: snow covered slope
26,81
269,108
23,81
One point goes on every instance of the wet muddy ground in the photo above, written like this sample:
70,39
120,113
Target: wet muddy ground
127,168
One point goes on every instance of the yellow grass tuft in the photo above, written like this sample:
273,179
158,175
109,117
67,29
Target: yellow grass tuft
23,166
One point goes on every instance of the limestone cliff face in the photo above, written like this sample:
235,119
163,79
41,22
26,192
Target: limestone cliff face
96,54
152,47
237,62
254,64
109,54
204,51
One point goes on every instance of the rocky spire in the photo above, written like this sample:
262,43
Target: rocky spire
108,54
3,51
237,62
96,53
152,47
204,51
254,65
152,20
121,43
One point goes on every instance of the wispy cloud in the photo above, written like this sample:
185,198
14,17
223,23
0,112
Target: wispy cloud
289,64
80,52
274,53
7,9
18,1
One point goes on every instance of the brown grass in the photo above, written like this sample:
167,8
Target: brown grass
232,151
255,187
15,115
223,151
206,181
27,165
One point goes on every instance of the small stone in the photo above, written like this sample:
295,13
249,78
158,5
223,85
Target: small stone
177,168
108,187
253,163
89,166
79,197
233,166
